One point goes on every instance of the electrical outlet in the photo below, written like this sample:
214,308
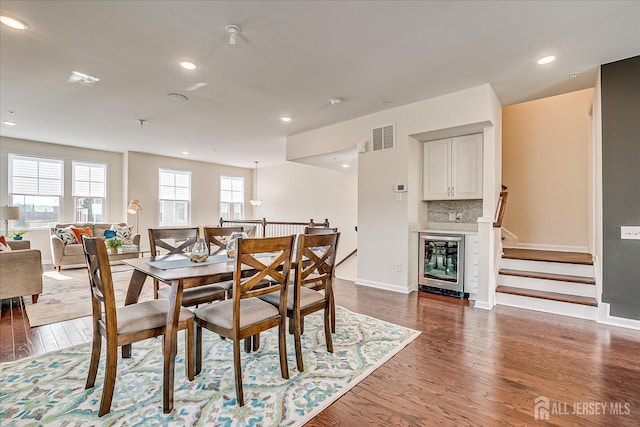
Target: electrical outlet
398,267
630,232
452,216
458,216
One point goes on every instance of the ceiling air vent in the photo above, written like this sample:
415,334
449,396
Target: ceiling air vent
384,138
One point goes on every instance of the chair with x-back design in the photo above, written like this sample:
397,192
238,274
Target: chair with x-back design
245,315
172,241
314,266
123,325
216,238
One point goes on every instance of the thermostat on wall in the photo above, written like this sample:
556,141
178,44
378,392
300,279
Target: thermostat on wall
400,188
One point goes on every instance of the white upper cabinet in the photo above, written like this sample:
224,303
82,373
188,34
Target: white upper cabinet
452,168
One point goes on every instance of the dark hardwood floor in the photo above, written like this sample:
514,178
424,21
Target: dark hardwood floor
468,367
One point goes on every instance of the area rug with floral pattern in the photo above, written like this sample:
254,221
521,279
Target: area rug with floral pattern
66,294
48,390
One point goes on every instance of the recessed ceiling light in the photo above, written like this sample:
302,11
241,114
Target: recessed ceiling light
574,75
15,23
285,118
345,165
546,60
8,123
187,65
185,153
177,97
335,101
82,78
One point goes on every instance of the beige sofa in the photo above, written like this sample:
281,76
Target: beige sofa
72,255
20,271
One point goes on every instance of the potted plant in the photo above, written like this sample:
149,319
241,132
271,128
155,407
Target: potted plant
16,234
113,244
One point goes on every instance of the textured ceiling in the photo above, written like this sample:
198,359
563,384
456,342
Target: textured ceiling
291,58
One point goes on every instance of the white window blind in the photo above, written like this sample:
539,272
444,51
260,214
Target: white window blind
36,186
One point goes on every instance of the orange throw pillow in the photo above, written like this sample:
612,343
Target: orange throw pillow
3,244
79,231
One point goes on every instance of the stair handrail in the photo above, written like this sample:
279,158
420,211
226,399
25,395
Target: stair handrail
502,205
289,227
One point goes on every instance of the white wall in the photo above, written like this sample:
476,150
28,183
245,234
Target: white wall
385,240
298,192
142,184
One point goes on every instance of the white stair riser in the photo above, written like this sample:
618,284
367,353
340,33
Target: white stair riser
570,288
547,267
548,306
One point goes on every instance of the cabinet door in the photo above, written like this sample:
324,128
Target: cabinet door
471,256
466,167
435,169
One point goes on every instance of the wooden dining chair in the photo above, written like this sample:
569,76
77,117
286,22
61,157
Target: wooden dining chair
171,241
245,315
123,325
320,230
215,238
320,286
315,265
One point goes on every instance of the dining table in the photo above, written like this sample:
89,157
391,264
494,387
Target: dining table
181,273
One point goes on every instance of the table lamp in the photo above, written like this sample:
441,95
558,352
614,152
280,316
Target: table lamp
9,213
133,208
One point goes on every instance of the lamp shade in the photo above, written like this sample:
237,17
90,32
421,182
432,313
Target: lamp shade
10,212
134,207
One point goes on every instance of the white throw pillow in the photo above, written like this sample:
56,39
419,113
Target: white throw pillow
66,235
125,232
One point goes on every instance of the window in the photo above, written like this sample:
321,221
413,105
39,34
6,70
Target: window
35,185
231,197
175,195
89,191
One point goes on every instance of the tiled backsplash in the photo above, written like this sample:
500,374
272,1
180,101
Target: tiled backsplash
438,210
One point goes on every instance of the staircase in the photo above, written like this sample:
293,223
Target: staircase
550,281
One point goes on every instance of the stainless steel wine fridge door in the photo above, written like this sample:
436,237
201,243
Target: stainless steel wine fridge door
441,262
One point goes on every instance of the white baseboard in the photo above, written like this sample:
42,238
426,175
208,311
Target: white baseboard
540,247
484,305
385,286
606,318
509,238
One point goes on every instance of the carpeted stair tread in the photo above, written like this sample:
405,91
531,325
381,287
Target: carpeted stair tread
548,276
554,296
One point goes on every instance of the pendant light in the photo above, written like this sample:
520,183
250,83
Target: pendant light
255,201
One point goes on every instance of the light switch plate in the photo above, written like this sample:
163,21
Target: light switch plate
630,232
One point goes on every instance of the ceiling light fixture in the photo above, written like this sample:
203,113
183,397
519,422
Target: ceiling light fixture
8,123
187,65
177,97
335,101
233,31
83,79
15,23
285,119
255,201
546,60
